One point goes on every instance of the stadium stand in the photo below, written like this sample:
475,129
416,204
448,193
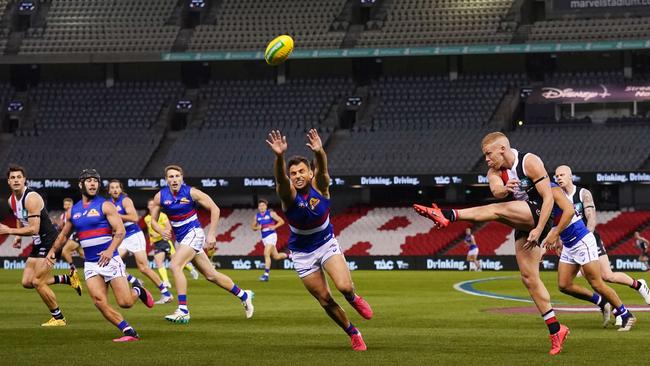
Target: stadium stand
251,24
587,147
78,26
88,124
433,22
489,238
417,118
598,29
241,114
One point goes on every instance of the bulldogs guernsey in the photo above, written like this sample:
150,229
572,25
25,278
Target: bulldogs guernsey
180,208
266,223
93,229
309,222
468,240
131,227
576,229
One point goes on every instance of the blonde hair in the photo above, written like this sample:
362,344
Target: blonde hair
492,137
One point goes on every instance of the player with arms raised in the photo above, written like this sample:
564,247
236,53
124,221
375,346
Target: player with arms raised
305,198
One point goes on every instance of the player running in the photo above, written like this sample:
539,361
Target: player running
643,244
583,202
521,176
101,231
33,220
472,253
305,198
134,242
267,222
163,248
72,245
179,201
581,250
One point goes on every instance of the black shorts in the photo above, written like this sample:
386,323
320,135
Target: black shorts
40,251
535,210
601,245
162,246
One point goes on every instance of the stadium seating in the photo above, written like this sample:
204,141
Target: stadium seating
597,29
621,226
240,115
87,124
439,22
78,26
419,117
251,24
629,246
489,238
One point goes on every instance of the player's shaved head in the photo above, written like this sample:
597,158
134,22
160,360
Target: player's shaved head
563,169
495,138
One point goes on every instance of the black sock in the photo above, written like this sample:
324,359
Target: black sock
636,285
130,332
62,279
56,313
449,214
350,297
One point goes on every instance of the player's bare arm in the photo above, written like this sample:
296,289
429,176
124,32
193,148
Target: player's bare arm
537,173
119,231
283,187
321,178
278,220
590,210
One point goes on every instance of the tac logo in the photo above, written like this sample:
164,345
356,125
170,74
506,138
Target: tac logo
93,213
76,216
313,202
167,202
184,201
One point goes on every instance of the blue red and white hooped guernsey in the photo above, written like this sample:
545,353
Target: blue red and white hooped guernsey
266,222
309,222
468,240
131,227
93,229
576,229
181,210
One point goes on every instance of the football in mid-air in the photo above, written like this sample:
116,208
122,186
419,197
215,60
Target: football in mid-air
278,50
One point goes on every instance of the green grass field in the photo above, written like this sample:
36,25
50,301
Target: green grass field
419,319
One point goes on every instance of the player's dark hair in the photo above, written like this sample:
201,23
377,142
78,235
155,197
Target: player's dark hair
262,200
297,159
15,168
116,181
68,199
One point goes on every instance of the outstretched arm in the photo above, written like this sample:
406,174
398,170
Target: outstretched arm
283,187
321,178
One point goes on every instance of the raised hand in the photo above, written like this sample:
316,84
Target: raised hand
277,142
315,143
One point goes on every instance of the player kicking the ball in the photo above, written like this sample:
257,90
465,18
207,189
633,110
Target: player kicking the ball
305,198
179,202
523,177
100,230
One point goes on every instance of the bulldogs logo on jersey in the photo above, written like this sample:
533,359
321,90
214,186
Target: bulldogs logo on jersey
93,213
313,202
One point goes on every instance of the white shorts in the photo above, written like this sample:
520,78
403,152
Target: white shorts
114,269
134,243
194,239
308,263
473,252
270,240
583,252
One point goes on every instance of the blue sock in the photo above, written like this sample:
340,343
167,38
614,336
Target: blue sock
241,294
622,312
163,290
598,300
351,330
266,271
182,303
123,325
